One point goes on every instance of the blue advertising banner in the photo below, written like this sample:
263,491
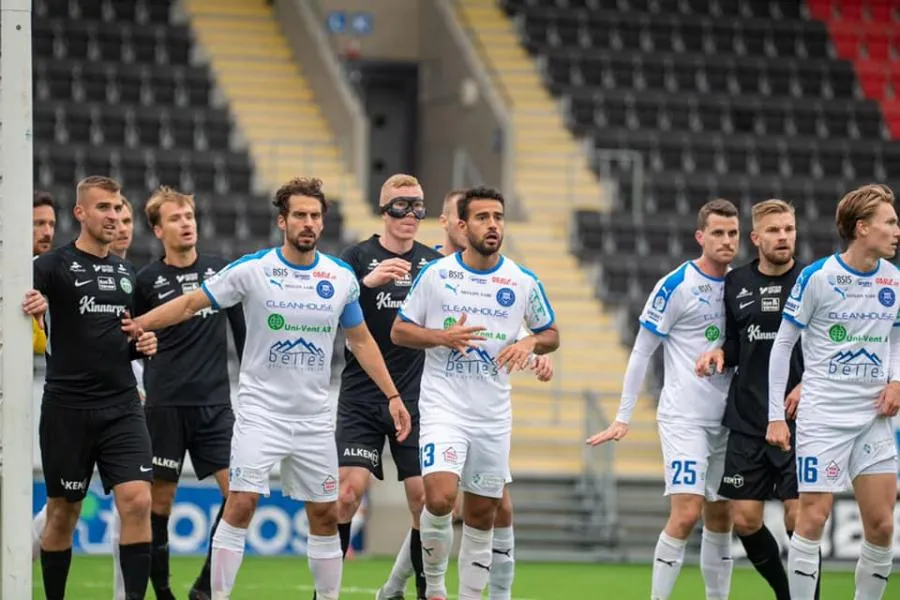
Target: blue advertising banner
279,526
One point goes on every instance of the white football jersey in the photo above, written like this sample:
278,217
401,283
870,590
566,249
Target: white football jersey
687,310
847,318
292,315
469,387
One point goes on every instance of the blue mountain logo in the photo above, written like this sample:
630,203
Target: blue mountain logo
857,365
297,353
474,361
856,357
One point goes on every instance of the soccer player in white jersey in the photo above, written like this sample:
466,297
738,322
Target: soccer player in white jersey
465,311
293,298
686,314
844,309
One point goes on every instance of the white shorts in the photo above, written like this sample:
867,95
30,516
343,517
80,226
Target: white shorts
480,459
307,453
694,457
829,458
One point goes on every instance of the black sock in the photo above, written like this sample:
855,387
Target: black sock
762,551
159,556
819,580
344,532
415,555
203,582
55,570
135,561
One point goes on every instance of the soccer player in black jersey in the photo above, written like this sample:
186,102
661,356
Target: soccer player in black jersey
386,266
124,232
188,403
755,471
91,413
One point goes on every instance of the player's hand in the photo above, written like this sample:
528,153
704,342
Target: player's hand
615,432
779,435
889,400
390,270
713,358
402,420
34,303
146,343
131,326
542,365
460,338
515,357
792,402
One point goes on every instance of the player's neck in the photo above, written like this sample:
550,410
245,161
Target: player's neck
296,257
180,259
773,270
90,245
448,247
710,267
395,245
858,259
121,254
479,262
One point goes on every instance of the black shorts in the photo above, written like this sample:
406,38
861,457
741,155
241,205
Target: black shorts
74,440
361,430
755,470
204,431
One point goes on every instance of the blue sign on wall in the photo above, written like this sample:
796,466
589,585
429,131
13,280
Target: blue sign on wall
279,526
362,23
336,21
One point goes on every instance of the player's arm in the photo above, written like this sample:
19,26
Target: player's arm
238,325
171,313
365,349
731,347
779,371
645,344
517,355
889,400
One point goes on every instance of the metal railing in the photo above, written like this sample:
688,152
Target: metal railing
599,476
612,164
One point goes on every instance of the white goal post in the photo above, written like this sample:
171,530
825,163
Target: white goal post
16,360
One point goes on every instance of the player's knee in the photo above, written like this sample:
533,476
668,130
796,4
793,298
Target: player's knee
134,503
62,518
504,516
683,519
439,502
162,497
746,522
239,508
879,527
323,516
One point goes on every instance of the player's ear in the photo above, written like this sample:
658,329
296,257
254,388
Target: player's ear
158,232
78,211
282,223
698,235
754,237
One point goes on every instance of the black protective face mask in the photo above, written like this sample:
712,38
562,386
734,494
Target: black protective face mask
403,205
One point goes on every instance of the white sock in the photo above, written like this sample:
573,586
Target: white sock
115,529
803,567
326,563
402,571
503,567
227,554
716,564
474,562
437,540
37,532
667,560
872,571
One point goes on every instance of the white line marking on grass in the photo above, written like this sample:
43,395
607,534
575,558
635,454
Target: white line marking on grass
274,587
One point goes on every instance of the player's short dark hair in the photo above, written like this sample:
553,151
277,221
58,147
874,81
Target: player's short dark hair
42,198
719,206
477,193
299,186
860,205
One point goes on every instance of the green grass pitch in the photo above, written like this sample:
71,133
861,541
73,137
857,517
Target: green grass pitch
276,578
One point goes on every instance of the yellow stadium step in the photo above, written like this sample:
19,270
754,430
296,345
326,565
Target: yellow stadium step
552,179
274,108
